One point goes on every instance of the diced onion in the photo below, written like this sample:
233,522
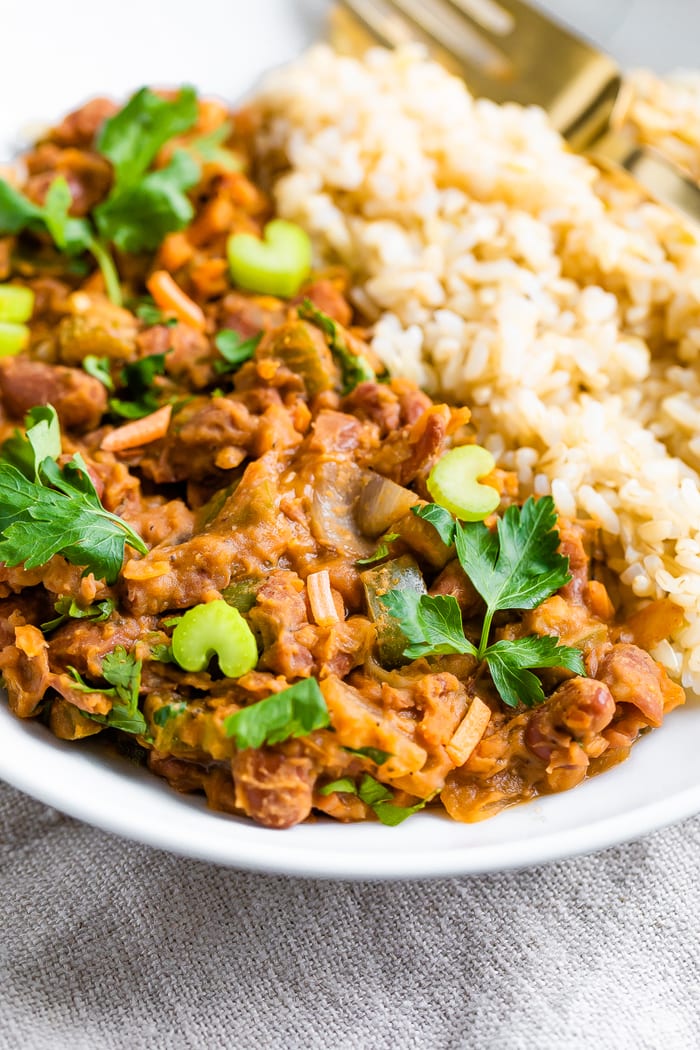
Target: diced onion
469,732
323,610
382,503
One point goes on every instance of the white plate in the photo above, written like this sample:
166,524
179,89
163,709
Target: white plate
659,784
112,52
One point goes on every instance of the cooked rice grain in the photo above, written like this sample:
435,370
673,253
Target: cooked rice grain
504,271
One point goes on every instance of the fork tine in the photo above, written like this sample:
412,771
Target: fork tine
458,34
521,15
542,66
523,34
483,19
381,21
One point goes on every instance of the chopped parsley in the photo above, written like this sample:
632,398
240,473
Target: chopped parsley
372,753
515,567
123,673
382,550
147,311
68,609
377,796
354,369
166,712
234,349
46,509
99,368
142,206
138,379
293,712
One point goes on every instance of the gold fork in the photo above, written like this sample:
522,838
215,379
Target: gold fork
505,50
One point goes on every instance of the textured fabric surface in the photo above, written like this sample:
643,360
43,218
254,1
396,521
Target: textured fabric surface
107,945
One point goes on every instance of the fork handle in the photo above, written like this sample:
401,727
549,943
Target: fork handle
663,180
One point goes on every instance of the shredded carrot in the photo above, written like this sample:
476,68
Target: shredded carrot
323,610
469,732
139,431
171,299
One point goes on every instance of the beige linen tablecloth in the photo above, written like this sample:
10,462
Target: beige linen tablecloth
106,945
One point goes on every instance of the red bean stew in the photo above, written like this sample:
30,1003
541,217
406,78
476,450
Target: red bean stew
231,540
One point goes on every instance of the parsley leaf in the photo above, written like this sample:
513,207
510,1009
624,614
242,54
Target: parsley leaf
517,566
17,212
372,753
42,440
163,654
441,520
132,138
137,217
381,800
209,148
46,509
147,311
345,784
99,368
509,661
433,625
382,550
293,712
142,205
166,712
70,235
138,378
73,236
234,349
377,796
123,672
354,369
68,609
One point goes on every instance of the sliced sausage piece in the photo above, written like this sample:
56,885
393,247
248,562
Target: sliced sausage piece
80,127
571,546
273,789
79,399
576,712
454,581
634,678
376,402
278,614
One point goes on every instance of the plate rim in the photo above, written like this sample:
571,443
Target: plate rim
404,865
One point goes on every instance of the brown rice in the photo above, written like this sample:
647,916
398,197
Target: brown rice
502,270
